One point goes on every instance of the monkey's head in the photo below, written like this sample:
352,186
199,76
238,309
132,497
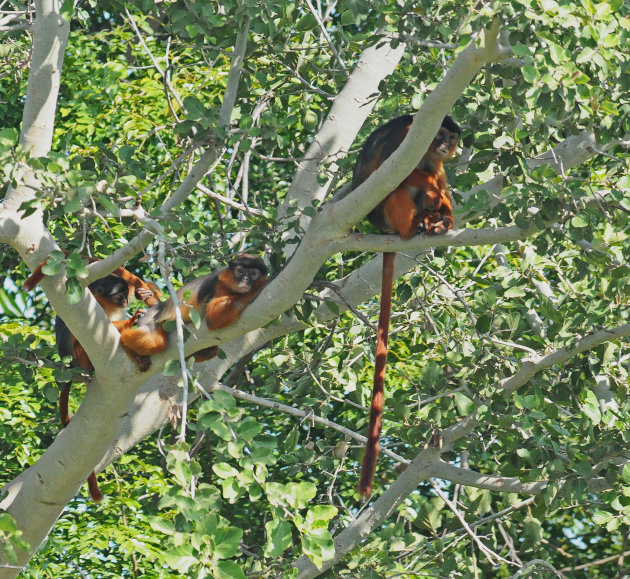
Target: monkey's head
249,271
111,290
445,142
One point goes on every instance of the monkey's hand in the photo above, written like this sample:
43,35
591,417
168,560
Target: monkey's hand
435,223
139,313
143,294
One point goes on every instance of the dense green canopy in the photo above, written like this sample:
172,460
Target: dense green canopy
170,136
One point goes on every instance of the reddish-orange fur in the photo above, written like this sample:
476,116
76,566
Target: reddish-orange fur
378,390
219,297
420,203
79,354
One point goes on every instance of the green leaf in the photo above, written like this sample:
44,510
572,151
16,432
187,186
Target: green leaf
307,22
279,538
181,470
227,541
8,137
74,291
318,545
72,205
404,292
67,10
530,74
591,408
249,428
180,558
319,516
347,18
172,368
7,523
484,323
580,221
465,405
126,153
52,267
108,204
228,570
194,107
217,424
532,532
195,317
224,470
515,292
161,525
602,518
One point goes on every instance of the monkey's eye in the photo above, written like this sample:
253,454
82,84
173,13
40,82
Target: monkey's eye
254,274
238,271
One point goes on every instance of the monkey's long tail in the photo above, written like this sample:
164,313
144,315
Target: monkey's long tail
95,492
64,394
368,468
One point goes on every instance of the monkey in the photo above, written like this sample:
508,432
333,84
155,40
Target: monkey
219,297
112,293
421,203
145,292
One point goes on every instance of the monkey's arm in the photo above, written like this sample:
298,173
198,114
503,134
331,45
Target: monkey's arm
148,293
401,213
121,325
434,203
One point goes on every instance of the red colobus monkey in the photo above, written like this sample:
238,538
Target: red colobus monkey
219,297
421,203
112,293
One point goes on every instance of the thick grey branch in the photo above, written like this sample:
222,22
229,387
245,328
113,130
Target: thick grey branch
532,366
347,113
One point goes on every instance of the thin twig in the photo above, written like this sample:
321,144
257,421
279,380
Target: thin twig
304,414
490,555
322,27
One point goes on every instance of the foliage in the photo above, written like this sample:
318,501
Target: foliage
252,488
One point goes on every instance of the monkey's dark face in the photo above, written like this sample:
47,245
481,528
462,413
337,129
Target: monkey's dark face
120,299
246,277
112,289
445,143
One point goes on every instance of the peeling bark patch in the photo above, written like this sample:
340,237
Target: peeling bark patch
167,393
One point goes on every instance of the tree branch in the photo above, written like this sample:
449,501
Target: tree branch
347,113
534,365
308,415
